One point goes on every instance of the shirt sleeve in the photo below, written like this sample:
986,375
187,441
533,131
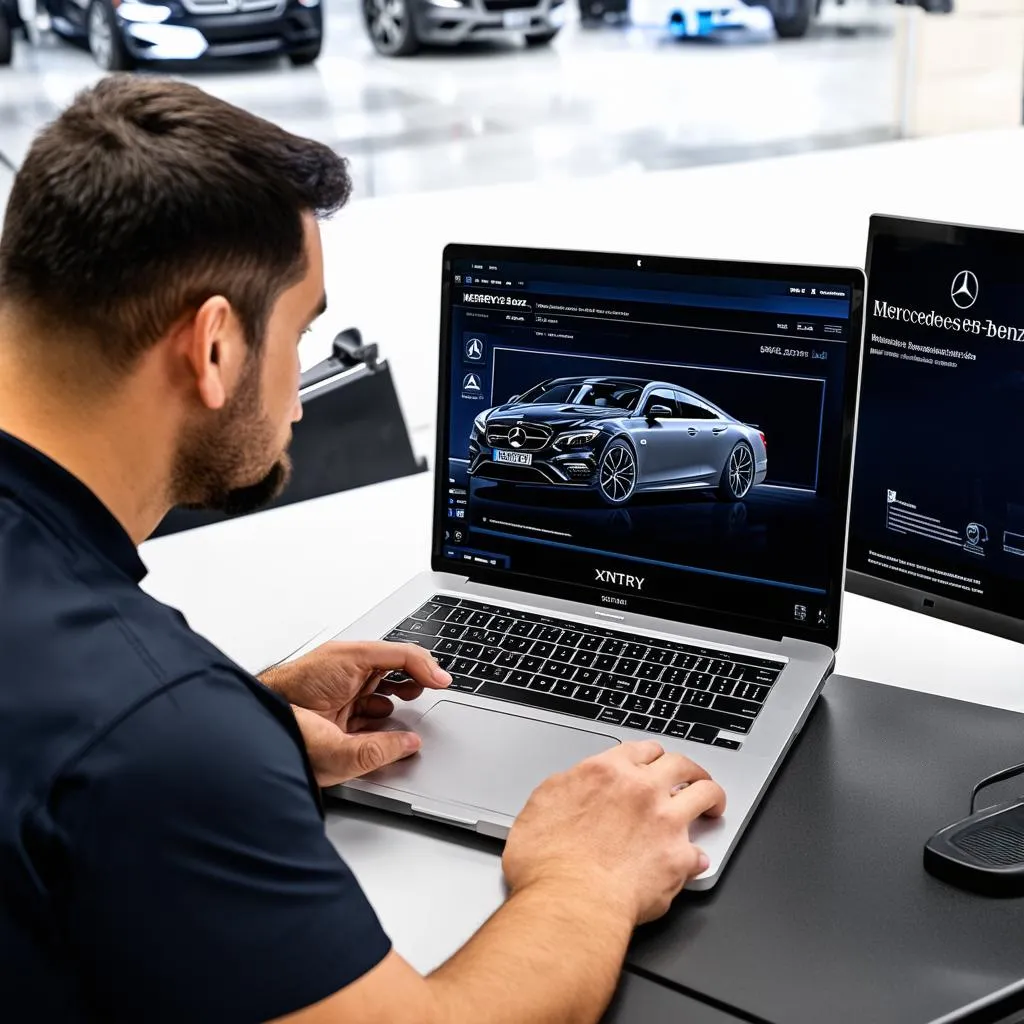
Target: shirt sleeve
202,884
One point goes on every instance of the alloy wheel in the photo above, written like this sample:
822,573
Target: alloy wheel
741,470
618,474
387,22
101,41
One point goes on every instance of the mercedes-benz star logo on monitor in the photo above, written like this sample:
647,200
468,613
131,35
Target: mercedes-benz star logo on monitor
517,437
965,289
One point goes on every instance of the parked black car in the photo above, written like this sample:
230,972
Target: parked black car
398,28
10,24
121,35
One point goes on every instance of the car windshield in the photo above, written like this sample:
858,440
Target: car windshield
602,394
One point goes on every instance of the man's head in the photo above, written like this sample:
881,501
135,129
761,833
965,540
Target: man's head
152,221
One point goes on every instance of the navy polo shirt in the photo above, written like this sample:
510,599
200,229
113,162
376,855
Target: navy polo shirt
162,849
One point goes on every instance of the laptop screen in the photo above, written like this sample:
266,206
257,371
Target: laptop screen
938,500
647,434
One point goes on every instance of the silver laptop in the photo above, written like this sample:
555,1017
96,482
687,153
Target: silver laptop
640,512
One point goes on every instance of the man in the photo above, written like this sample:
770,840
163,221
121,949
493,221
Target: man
162,849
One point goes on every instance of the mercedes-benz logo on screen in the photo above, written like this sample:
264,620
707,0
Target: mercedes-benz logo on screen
517,437
965,289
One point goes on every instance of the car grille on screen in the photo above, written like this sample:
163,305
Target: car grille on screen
537,436
231,6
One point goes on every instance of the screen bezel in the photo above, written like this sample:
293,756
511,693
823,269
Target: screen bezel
866,584
751,624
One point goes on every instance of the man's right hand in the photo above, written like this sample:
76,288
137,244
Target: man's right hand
621,819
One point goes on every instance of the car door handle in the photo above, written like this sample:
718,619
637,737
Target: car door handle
692,431
718,430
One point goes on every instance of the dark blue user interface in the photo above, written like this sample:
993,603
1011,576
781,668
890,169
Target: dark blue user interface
652,435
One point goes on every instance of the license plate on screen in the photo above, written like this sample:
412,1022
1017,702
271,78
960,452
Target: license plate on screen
516,19
514,458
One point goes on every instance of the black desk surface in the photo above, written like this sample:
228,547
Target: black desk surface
825,914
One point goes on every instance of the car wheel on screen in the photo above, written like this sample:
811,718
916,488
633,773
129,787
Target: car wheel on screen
738,475
390,27
617,473
105,42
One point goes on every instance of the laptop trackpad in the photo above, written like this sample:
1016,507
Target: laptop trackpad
491,759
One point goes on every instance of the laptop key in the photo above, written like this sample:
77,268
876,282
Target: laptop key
605,662
475,635
587,676
675,676
520,679
737,707
480,619
639,704
459,616
590,693
518,644
636,651
444,660
613,647
723,685
462,667
611,699
656,724
428,643
564,654
464,684
584,658
627,666
547,701
428,610
543,683
508,659
672,694
448,647
591,642
501,624
662,709
697,698
660,656
752,691
614,682
728,744
542,649
421,626
523,629
571,639
678,730
699,681
489,655
470,650
648,670
637,722
702,734
708,716
452,632
492,672
613,715
558,669
444,599
648,689
531,663
564,689
550,634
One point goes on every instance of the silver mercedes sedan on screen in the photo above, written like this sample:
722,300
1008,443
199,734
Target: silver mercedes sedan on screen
617,437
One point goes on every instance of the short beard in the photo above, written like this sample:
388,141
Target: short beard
222,466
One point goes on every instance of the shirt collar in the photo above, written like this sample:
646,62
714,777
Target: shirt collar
69,508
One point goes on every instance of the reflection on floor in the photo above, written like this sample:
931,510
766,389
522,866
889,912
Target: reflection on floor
597,101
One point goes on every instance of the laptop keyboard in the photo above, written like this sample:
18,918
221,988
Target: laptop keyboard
639,682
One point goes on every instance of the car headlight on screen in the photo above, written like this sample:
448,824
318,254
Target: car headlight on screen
576,438
480,423
141,13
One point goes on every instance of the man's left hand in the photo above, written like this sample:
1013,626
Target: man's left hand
341,702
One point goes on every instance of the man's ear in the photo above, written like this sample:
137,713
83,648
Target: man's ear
214,348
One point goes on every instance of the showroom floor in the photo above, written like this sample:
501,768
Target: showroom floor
599,100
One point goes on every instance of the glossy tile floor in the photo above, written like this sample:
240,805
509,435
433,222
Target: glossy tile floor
597,101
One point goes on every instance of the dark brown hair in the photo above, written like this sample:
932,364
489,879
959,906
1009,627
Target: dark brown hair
147,196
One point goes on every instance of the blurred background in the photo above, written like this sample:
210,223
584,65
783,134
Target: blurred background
424,95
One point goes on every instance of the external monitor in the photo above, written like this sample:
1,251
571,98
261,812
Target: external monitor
937,520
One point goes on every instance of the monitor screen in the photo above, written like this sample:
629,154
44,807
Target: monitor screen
665,436
937,519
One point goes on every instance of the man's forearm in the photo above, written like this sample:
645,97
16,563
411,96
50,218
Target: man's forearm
551,955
